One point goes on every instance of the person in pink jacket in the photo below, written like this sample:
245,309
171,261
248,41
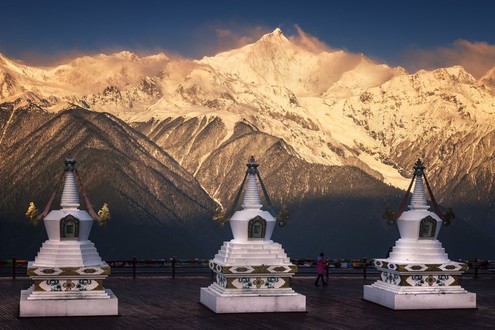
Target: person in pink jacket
321,265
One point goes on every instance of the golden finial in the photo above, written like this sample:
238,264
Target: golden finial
32,213
104,215
219,215
283,216
389,215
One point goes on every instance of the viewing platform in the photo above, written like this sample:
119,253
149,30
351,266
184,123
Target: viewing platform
162,302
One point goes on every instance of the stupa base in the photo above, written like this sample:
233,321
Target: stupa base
251,303
419,300
105,303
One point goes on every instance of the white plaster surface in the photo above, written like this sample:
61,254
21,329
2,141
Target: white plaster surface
252,303
251,208
52,223
424,251
410,248
234,253
67,305
70,196
68,254
420,300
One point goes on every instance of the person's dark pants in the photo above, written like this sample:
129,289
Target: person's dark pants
322,279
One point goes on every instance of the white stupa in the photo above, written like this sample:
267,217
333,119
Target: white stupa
68,273
418,273
252,272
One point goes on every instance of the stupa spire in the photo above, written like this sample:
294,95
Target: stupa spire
418,199
70,194
252,199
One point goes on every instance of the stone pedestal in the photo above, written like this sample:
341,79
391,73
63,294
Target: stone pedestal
220,302
419,286
252,278
63,306
68,291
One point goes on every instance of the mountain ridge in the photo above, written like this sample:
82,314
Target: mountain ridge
205,86
143,185
318,107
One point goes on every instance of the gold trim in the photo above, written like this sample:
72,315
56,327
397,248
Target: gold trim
230,281
99,286
37,286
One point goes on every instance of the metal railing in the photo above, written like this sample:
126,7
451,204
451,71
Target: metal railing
174,267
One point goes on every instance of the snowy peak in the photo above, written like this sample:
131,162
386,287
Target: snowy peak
364,75
126,55
276,60
455,74
2,59
18,68
8,84
116,83
275,36
489,79
93,74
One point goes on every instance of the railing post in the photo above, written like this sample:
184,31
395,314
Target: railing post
134,268
365,265
13,267
211,270
476,267
173,267
327,268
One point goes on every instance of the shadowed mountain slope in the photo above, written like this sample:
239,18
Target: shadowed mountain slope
157,206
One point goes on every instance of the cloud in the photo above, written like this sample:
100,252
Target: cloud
219,38
40,58
232,39
309,42
55,58
476,57
222,37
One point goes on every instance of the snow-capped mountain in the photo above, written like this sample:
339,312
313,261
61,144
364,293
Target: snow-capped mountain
153,199
113,83
276,61
274,84
332,107
444,116
489,79
325,107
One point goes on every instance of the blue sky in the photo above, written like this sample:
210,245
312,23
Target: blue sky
408,33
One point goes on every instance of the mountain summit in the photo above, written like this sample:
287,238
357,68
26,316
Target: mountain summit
276,60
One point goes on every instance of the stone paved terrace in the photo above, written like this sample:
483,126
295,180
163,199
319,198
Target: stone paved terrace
159,302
